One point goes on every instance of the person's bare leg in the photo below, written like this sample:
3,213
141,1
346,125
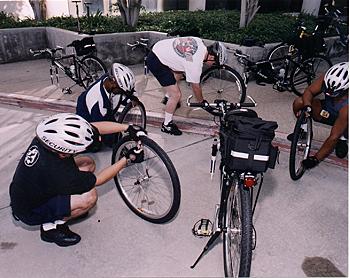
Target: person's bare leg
174,97
81,204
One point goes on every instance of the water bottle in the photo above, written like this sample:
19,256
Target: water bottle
281,73
72,70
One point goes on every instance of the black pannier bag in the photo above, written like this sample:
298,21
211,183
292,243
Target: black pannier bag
246,144
84,46
310,45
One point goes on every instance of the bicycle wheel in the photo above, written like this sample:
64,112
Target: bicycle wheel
90,69
223,83
151,189
310,69
133,113
238,238
277,54
300,146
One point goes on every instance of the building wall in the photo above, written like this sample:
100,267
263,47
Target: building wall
20,8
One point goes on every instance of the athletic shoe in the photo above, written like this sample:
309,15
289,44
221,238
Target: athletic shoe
302,136
341,148
62,236
171,128
165,101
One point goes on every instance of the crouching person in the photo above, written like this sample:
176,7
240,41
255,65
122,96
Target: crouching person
52,185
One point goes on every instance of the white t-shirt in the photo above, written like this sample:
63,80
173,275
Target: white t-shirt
185,54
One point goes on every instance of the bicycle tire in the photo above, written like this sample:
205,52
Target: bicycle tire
276,55
311,68
238,221
133,113
91,69
223,82
296,170
155,179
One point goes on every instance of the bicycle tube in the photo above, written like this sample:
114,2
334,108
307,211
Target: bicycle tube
223,82
298,146
303,74
133,113
150,189
239,232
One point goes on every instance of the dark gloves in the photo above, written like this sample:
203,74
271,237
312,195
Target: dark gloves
310,162
135,131
135,155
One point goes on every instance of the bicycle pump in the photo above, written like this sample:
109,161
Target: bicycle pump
77,10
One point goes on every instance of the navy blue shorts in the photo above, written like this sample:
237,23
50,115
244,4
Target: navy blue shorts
162,73
54,209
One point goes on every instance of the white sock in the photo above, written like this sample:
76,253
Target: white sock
168,118
59,222
49,226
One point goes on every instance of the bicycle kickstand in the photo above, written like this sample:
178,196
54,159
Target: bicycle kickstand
211,240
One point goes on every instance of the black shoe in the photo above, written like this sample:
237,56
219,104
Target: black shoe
302,136
341,148
165,101
62,236
171,128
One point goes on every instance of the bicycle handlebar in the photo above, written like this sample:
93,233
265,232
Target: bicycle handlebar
50,51
142,42
220,105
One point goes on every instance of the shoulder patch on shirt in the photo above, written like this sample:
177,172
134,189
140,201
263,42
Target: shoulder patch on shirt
185,47
32,156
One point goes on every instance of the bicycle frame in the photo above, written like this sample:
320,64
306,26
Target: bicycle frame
57,64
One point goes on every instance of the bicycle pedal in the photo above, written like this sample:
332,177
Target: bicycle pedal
202,228
67,91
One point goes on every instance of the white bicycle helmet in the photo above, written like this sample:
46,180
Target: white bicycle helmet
65,133
218,49
337,79
124,77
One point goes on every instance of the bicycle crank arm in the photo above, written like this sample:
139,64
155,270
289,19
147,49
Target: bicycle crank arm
206,247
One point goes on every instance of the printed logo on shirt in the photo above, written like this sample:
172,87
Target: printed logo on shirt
32,156
185,47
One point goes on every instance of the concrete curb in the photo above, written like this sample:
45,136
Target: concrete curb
197,126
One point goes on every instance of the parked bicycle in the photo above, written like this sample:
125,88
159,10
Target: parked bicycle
301,144
151,189
326,25
246,153
83,67
292,74
217,81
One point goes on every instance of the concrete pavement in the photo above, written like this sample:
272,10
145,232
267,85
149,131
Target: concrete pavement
27,84
293,220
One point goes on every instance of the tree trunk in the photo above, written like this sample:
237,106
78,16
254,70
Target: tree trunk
129,11
311,7
248,10
39,9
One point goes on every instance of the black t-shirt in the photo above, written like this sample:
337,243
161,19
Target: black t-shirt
41,175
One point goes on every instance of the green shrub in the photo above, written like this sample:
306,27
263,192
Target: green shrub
216,25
